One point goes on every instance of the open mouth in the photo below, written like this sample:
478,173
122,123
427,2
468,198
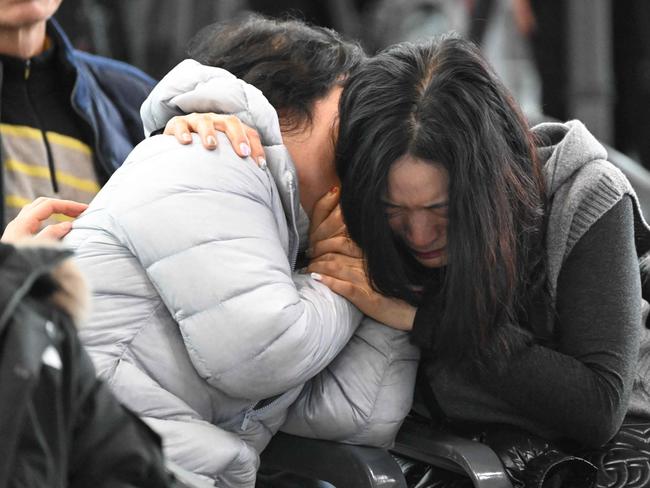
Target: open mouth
429,254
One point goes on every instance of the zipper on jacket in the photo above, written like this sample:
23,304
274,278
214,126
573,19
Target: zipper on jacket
46,142
296,244
258,408
98,158
247,418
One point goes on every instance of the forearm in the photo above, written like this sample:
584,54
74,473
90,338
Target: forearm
581,387
292,343
580,401
363,396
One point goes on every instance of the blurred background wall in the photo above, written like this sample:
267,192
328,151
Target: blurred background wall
587,59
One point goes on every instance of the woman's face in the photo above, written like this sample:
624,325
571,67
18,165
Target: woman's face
312,150
416,207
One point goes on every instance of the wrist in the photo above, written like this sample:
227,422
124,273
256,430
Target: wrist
405,318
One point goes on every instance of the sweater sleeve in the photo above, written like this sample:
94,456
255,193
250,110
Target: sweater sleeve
582,389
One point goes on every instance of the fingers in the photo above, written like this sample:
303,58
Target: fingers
338,244
55,231
205,127
257,151
333,225
341,267
324,207
244,140
43,208
344,288
392,312
179,128
236,133
31,216
202,124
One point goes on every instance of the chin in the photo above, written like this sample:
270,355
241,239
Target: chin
438,262
26,13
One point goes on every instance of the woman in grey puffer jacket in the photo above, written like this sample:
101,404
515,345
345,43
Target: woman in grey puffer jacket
201,324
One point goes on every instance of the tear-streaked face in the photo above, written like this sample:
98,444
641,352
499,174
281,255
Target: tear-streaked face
416,206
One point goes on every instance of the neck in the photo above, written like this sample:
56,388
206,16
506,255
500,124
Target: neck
294,141
24,42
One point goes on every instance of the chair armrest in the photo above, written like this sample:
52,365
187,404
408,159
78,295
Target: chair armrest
343,465
422,443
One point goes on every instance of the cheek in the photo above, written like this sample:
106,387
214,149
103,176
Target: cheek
443,226
396,225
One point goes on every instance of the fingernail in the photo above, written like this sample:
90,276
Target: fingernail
262,163
316,276
334,189
245,149
211,141
186,136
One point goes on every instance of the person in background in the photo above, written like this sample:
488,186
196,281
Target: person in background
67,118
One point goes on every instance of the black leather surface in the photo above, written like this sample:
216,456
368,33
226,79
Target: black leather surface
532,462
625,460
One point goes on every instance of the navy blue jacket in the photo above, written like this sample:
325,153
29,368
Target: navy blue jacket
107,96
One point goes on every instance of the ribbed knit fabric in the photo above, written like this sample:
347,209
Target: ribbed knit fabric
583,187
582,191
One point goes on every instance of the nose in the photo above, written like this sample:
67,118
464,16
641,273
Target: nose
421,231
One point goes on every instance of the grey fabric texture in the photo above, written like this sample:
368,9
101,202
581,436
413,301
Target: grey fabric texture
593,367
200,324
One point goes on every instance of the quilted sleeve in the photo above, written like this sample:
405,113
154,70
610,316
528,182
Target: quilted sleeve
210,232
363,396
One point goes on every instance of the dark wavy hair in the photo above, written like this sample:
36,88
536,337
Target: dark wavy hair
291,62
441,102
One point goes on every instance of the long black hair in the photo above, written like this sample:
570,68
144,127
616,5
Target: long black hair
441,102
291,62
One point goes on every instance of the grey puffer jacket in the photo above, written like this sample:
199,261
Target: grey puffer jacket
200,323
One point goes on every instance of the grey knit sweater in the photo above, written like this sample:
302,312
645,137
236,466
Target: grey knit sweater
596,367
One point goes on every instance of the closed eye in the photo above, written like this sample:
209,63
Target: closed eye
440,209
392,210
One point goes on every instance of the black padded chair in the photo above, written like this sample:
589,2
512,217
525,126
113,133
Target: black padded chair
346,466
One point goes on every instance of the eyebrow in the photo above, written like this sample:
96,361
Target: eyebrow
433,205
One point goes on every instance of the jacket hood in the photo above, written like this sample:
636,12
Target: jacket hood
44,265
563,149
193,87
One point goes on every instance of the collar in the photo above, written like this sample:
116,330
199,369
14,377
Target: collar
20,268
